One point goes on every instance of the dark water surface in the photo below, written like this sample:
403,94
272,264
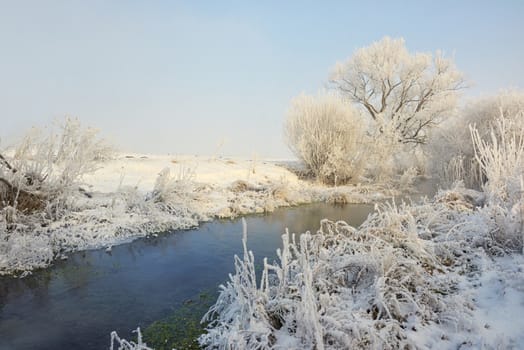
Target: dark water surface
77,303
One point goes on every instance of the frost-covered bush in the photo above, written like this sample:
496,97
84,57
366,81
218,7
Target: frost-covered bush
328,136
173,191
408,278
451,154
501,159
48,165
341,288
123,344
100,220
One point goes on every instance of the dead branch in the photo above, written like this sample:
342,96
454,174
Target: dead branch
6,164
24,201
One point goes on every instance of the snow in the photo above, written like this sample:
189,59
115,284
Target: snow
500,300
141,170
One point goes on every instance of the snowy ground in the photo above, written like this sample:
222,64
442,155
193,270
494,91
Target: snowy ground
134,195
141,171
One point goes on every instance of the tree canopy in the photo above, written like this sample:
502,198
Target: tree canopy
403,94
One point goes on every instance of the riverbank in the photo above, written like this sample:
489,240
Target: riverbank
134,195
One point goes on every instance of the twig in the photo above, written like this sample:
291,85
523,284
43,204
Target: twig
6,163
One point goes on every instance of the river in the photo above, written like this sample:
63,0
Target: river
76,303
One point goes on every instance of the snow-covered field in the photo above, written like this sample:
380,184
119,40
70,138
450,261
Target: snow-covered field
141,171
134,195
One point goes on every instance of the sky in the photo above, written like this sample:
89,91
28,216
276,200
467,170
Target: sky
216,77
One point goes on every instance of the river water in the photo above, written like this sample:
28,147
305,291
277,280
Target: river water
76,303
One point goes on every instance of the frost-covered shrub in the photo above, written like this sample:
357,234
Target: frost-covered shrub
337,198
49,165
501,159
341,288
98,221
172,191
328,136
407,179
406,279
451,154
123,344
485,150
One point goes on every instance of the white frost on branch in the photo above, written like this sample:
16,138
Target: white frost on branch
403,94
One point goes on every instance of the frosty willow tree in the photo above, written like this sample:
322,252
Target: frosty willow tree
327,134
403,94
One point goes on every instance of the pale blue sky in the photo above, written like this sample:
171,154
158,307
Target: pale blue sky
184,77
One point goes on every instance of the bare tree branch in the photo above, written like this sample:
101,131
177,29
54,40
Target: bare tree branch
6,163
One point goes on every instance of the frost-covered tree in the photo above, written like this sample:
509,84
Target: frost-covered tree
328,135
403,94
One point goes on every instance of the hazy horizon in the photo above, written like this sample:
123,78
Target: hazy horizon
207,78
